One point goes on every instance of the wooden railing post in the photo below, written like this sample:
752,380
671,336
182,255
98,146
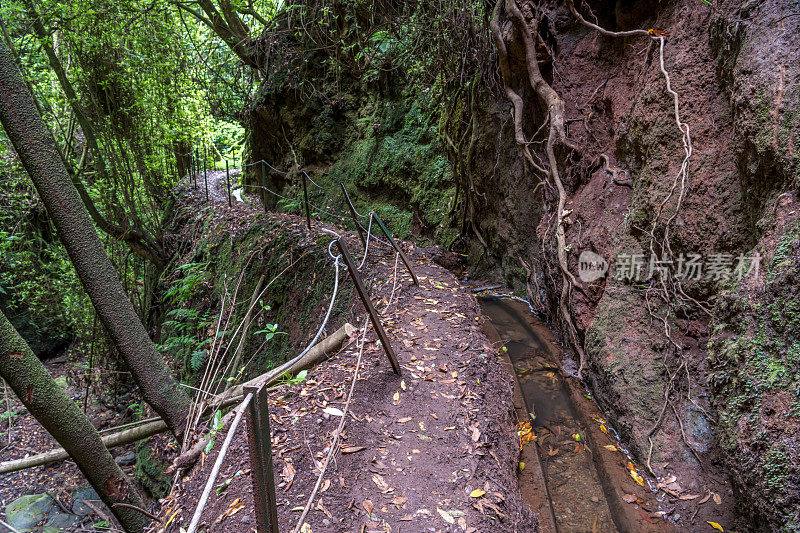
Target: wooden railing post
260,445
373,314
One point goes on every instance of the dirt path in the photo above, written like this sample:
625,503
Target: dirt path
414,448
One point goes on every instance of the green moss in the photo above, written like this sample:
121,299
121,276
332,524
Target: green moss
753,369
397,167
150,472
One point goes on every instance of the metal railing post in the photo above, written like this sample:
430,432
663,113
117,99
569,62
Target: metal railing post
264,186
305,196
373,314
359,227
228,183
260,446
205,166
396,247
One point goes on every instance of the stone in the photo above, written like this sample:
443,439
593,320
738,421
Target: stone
80,494
27,511
126,459
60,522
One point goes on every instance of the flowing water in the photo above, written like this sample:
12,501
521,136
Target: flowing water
577,496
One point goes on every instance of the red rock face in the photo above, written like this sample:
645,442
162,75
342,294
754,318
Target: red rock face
736,72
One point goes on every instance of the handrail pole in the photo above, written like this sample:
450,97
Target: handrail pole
373,314
228,182
396,247
259,443
359,227
305,196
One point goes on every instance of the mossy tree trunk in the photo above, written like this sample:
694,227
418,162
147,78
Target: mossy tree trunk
39,154
59,415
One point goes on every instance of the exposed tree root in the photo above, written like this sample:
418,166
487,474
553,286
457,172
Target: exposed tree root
557,137
669,289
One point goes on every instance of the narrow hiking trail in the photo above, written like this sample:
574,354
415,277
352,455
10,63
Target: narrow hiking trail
432,450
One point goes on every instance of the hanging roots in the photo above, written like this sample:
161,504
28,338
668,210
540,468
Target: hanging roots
666,286
556,137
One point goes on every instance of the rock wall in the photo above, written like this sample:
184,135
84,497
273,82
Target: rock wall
726,406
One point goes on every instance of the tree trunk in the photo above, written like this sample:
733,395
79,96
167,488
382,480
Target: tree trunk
39,155
59,415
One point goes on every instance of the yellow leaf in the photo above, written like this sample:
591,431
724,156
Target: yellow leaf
715,525
477,493
396,397
403,385
637,478
610,447
305,529
603,428
521,466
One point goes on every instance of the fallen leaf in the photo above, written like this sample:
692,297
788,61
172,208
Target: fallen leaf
610,447
235,506
705,498
476,434
688,496
381,483
717,499
325,485
396,397
333,411
521,466
404,419
305,529
637,478
403,384
368,506
288,472
629,498
551,452
446,516
715,525
477,493
352,449
603,428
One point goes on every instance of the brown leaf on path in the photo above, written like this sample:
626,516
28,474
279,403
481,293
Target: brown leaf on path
325,485
646,517
629,498
688,496
551,452
235,506
717,499
446,516
323,509
352,449
476,434
381,483
368,506
705,498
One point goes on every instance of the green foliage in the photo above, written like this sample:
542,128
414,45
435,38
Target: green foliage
32,259
185,329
